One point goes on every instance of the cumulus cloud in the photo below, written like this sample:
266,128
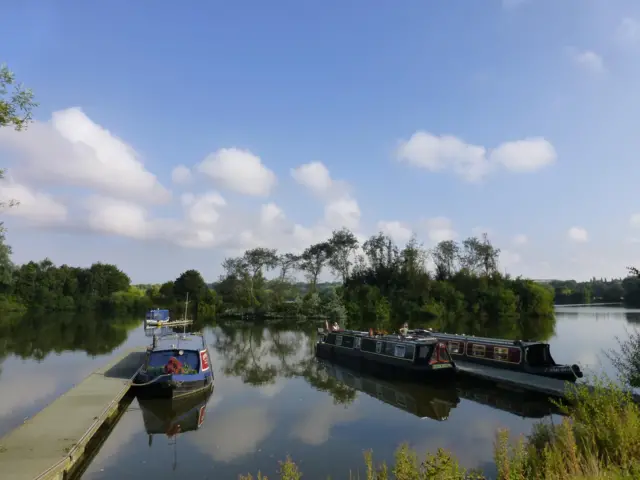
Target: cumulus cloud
473,162
72,150
181,174
440,229
203,209
340,208
313,175
578,234
239,170
587,59
634,220
343,212
398,232
118,217
37,207
270,213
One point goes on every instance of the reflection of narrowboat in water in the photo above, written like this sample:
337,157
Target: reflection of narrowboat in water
435,403
424,357
165,416
427,401
172,417
529,357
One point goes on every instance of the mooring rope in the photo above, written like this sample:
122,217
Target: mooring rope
150,381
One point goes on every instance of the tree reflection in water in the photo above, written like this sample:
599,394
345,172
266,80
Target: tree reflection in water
259,356
35,336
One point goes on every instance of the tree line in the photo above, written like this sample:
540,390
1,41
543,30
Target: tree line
616,290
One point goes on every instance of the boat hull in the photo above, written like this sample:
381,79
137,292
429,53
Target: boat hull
173,387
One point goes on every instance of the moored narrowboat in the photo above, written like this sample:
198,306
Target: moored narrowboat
422,357
176,365
156,317
529,357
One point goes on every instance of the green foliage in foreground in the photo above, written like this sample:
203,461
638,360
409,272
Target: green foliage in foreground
599,440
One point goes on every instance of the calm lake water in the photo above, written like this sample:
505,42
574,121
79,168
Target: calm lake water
272,399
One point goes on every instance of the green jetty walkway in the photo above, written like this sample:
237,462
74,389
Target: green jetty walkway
51,443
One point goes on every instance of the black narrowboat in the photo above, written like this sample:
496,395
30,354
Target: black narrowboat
529,357
422,357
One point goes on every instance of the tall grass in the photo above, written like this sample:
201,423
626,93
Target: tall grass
598,440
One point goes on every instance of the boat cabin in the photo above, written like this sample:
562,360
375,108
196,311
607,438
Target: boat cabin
177,354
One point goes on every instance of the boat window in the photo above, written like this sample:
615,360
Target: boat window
189,359
400,351
358,342
454,347
501,353
478,350
347,341
338,340
378,347
424,351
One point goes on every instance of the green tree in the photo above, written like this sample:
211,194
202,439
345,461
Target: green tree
16,101
190,282
313,260
342,244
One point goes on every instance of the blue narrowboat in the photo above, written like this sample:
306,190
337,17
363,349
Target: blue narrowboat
156,316
176,365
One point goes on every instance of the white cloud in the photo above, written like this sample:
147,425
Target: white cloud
73,150
526,155
203,209
440,229
578,234
181,175
473,162
118,217
271,213
314,176
37,207
398,232
634,220
628,32
520,239
587,59
343,212
240,171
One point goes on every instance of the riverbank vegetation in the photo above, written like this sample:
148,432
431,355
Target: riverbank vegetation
616,290
598,440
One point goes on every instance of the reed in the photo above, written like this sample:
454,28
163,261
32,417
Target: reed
599,439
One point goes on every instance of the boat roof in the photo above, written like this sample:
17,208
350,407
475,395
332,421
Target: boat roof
188,341
389,338
497,341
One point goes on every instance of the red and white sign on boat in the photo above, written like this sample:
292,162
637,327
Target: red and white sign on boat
204,361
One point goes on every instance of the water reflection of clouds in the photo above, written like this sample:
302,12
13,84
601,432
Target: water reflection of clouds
234,434
314,424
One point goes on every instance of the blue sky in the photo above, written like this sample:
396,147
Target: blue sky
516,117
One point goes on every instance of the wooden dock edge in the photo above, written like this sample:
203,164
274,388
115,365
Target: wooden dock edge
64,469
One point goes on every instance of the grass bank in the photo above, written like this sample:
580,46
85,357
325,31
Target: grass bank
598,440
